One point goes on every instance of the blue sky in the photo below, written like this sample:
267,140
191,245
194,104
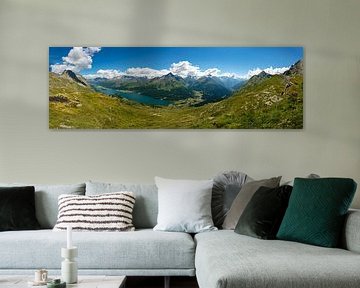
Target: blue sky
196,60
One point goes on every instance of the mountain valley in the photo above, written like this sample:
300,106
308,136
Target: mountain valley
172,87
263,101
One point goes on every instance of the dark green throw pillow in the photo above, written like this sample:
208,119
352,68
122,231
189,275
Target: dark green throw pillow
263,214
316,211
17,208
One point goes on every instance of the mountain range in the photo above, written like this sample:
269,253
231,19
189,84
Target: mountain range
264,101
172,87
175,88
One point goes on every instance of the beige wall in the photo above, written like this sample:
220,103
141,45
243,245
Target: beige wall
328,145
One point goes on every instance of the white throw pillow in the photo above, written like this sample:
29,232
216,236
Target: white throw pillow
105,212
184,205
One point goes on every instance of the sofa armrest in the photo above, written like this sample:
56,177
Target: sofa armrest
351,234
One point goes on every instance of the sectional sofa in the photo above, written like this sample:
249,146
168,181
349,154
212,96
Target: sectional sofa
218,259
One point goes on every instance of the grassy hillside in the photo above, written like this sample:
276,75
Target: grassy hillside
275,102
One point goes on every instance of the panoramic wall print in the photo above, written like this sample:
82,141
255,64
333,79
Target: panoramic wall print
175,87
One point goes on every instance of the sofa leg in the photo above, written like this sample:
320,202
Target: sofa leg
167,282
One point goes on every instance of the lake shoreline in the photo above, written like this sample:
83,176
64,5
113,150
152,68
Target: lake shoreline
133,96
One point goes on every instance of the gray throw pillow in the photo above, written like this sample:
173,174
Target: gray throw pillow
310,176
146,204
242,199
226,187
184,205
46,200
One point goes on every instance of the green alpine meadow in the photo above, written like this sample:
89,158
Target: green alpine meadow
174,94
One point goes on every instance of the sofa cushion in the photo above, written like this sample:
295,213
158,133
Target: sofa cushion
143,249
146,205
105,212
350,239
226,187
46,200
225,259
243,198
184,205
17,208
317,209
263,215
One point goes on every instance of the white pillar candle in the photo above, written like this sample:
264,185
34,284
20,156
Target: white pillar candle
69,237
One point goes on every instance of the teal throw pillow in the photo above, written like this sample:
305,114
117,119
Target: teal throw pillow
316,211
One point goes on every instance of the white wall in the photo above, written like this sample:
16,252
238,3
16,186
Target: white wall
328,145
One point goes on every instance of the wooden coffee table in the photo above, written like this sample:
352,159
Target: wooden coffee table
84,281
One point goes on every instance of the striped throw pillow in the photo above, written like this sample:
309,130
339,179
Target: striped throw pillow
105,212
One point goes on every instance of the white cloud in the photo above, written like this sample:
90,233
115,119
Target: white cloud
184,69
78,58
274,71
92,50
230,75
252,72
107,73
59,68
212,72
269,70
146,72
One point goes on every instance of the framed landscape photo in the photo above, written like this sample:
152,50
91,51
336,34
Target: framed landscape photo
175,87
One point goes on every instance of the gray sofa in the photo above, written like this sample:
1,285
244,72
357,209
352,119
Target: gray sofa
226,259
218,259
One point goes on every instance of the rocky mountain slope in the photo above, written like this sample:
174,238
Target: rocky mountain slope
68,74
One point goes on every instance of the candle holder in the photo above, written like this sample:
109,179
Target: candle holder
69,271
